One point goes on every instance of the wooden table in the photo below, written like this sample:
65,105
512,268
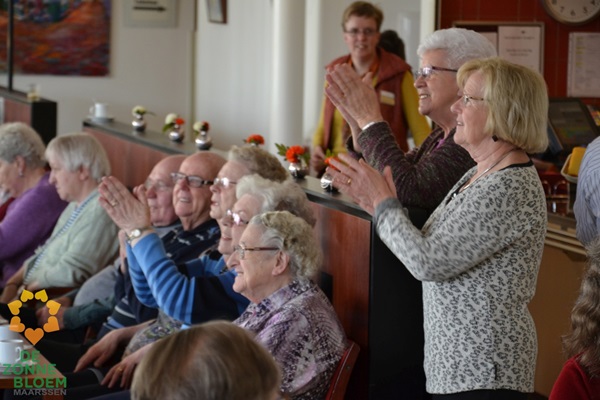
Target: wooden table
44,381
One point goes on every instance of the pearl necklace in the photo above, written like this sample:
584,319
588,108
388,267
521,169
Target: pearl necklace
462,189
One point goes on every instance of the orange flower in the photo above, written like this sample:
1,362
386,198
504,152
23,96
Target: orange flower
255,139
328,163
293,153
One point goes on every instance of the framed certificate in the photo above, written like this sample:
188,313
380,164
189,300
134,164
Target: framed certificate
518,42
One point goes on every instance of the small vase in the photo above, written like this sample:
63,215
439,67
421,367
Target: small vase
298,170
139,124
176,134
327,183
203,141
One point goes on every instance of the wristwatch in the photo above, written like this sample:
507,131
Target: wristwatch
136,233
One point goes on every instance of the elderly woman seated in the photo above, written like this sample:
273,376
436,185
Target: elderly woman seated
35,207
84,239
213,361
274,263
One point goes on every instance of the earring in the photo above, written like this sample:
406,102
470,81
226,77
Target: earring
494,138
21,174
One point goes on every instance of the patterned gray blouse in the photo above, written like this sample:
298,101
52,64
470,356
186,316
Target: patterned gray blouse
298,325
478,256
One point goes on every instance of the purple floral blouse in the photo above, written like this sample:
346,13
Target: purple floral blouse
298,325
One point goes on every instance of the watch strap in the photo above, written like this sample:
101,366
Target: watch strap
136,233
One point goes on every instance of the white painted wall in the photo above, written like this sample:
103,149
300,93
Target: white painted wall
222,73
250,28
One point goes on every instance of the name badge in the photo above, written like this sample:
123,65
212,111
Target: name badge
386,97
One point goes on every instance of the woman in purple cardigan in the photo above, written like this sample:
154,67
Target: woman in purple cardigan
31,216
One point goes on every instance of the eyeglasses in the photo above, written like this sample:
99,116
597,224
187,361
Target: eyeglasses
236,218
466,99
192,181
427,71
241,250
223,182
159,186
368,32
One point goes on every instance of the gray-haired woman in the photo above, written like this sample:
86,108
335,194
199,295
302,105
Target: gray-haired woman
84,238
424,175
36,207
275,261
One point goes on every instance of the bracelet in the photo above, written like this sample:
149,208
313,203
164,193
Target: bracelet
370,124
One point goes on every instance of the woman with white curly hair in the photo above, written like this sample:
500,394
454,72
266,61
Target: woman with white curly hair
275,261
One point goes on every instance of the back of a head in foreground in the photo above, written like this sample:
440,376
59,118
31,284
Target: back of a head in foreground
212,361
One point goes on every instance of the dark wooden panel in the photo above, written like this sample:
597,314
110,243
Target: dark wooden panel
345,241
41,115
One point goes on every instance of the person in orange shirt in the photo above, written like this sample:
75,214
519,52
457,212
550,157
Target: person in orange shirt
392,80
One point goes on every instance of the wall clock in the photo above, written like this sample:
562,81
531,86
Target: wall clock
572,12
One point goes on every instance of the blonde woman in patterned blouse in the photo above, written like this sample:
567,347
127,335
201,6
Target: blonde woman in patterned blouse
479,253
275,260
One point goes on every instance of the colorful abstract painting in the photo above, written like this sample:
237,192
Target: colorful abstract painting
58,37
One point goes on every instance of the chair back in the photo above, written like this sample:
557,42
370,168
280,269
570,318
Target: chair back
341,376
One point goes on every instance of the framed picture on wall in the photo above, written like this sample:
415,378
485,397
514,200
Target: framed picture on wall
58,38
217,11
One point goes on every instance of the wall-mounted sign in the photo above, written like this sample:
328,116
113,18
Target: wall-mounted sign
519,43
150,13
584,57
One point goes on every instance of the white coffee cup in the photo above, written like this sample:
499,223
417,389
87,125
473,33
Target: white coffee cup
99,110
10,350
7,334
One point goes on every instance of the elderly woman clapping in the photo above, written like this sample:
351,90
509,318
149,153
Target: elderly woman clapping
423,175
275,260
479,253
31,217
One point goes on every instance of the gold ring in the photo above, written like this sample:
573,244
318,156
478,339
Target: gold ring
120,369
114,203
349,181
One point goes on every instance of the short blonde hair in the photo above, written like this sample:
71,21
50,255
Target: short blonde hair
78,150
294,236
518,102
211,361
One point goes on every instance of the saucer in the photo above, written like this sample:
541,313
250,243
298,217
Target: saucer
101,119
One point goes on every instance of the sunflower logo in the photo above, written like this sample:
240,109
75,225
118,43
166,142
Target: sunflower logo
33,335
